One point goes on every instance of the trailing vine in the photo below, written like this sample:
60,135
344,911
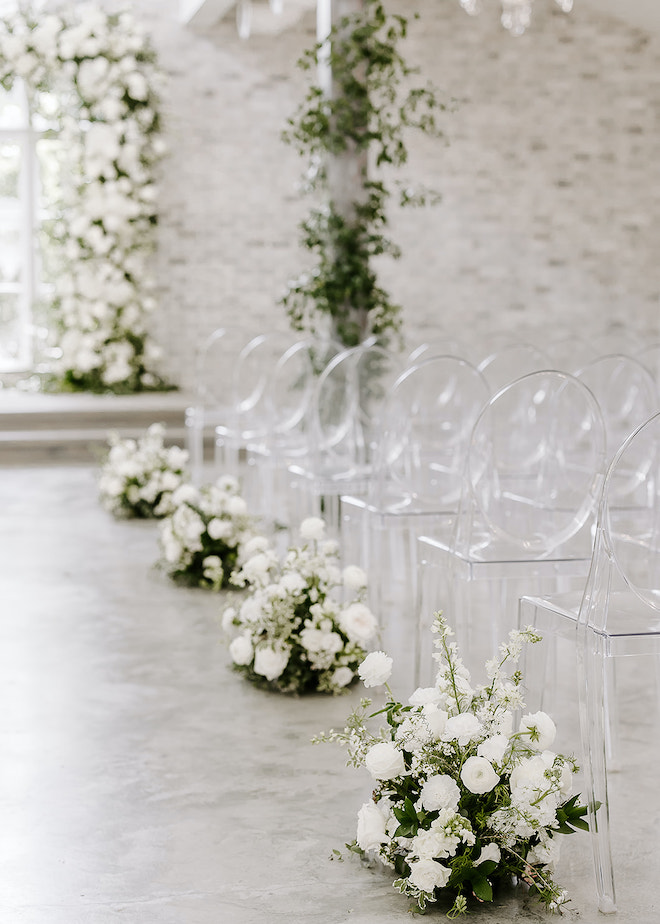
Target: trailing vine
362,122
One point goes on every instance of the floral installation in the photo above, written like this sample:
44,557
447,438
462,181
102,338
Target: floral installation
139,477
92,77
294,633
462,802
203,537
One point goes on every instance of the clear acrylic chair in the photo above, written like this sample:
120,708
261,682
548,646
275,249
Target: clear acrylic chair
649,357
213,386
416,485
626,393
438,346
509,361
247,418
616,616
534,469
343,431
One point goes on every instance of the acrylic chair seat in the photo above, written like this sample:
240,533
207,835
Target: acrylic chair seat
617,616
417,481
534,469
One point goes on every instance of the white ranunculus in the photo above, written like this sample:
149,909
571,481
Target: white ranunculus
462,728
371,827
488,852
428,875
440,792
494,748
537,730
376,669
312,529
358,622
354,578
384,761
342,676
241,650
478,775
270,662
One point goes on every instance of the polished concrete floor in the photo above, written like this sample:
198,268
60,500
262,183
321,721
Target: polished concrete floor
142,781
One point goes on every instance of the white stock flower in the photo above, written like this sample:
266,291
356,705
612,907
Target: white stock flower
428,875
384,761
270,662
376,669
537,730
241,650
312,529
358,622
440,792
488,852
371,826
478,776
434,719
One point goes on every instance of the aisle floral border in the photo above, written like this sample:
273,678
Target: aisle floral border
94,74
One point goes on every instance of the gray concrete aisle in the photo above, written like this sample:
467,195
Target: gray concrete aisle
142,781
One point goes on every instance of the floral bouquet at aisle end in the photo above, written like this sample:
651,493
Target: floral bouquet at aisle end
139,477
202,538
462,802
293,633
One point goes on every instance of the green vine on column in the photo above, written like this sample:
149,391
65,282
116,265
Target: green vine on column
373,106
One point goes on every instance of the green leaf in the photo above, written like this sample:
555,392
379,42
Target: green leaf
482,889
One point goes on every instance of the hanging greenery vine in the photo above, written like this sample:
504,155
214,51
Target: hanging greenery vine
92,76
366,118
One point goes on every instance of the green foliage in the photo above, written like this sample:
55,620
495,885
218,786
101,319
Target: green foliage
367,116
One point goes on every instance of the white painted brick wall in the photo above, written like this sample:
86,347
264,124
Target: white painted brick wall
550,175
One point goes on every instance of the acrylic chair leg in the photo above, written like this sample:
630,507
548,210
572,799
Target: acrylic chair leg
593,721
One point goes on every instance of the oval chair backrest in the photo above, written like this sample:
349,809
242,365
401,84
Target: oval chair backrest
253,372
289,392
631,535
511,361
429,417
348,403
215,363
536,461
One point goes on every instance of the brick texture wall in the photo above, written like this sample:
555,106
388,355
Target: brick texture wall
549,223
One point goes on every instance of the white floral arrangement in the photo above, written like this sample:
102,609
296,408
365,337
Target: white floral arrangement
139,477
462,801
202,539
92,76
304,625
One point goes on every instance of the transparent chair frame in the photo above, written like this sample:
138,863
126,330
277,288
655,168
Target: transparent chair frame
533,474
617,615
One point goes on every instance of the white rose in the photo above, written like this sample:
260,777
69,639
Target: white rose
493,748
384,761
270,662
236,507
435,719
423,695
371,827
428,875
478,775
313,528
241,650
488,852
219,529
537,730
358,622
354,578
376,669
342,677
462,728
529,774
440,792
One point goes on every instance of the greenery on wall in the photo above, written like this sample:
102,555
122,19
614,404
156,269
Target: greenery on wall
361,124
